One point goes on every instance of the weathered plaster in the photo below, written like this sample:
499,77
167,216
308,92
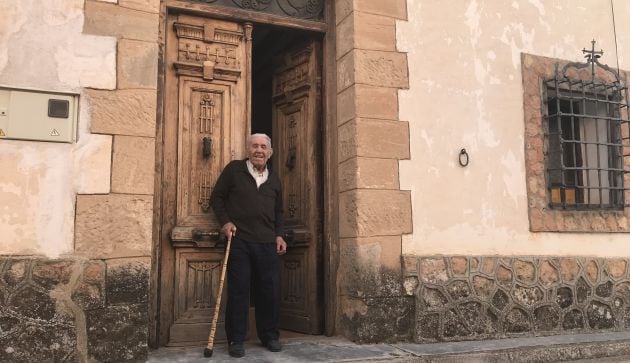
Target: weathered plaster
42,46
38,187
466,92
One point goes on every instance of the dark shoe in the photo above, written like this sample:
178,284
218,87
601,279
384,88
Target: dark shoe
274,346
236,349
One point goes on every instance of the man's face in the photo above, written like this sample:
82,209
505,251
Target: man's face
259,152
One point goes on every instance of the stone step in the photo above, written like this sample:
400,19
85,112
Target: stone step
555,348
609,347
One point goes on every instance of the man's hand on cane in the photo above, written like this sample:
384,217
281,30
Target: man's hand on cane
228,229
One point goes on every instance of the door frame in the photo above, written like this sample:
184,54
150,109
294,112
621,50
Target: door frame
330,192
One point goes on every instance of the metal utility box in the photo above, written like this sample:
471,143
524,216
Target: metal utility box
38,115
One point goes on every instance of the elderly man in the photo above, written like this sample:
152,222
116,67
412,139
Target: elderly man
247,200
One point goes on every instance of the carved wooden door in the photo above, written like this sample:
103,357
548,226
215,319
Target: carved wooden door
206,105
297,160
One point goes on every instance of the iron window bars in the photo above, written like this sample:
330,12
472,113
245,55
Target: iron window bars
587,149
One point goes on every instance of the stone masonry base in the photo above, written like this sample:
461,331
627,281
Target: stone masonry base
484,297
73,310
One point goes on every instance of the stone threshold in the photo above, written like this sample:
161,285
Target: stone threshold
553,348
336,349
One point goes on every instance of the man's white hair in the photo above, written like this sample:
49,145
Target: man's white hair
250,137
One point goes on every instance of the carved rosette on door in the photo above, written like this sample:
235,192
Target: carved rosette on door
206,123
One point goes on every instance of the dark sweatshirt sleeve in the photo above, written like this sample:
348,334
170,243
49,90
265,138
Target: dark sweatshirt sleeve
279,224
219,196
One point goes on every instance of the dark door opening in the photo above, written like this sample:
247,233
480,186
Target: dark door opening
268,42
286,105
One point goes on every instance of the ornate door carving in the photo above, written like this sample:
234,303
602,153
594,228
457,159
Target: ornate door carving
206,122
297,159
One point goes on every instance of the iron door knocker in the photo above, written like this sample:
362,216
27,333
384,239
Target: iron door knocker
463,158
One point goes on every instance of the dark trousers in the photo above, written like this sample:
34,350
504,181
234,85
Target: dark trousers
254,265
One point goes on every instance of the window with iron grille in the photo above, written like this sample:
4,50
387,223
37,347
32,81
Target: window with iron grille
586,140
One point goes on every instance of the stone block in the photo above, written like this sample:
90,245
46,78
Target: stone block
26,341
370,267
128,281
504,275
428,328
368,102
433,270
592,271
392,8
123,112
110,226
133,165
89,292
488,264
410,265
376,102
120,22
15,271
137,64
569,269
368,173
347,106
616,268
117,333
459,265
383,69
524,270
372,320
374,139
459,290
528,296
345,72
345,35
50,273
150,6
31,303
548,274
600,315
374,68
432,298
517,321
343,8
483,286
374,32
93,161
367,213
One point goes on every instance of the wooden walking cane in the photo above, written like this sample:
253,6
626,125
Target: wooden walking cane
213,327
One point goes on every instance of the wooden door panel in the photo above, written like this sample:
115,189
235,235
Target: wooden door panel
294,297
196,289
296,118
206,122
203,120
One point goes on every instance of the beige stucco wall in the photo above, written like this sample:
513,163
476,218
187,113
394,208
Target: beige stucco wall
42,47
466,92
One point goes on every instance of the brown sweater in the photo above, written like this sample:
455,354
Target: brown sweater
256,212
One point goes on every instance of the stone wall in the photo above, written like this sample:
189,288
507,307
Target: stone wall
90,202
472,298
371,140
73,310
